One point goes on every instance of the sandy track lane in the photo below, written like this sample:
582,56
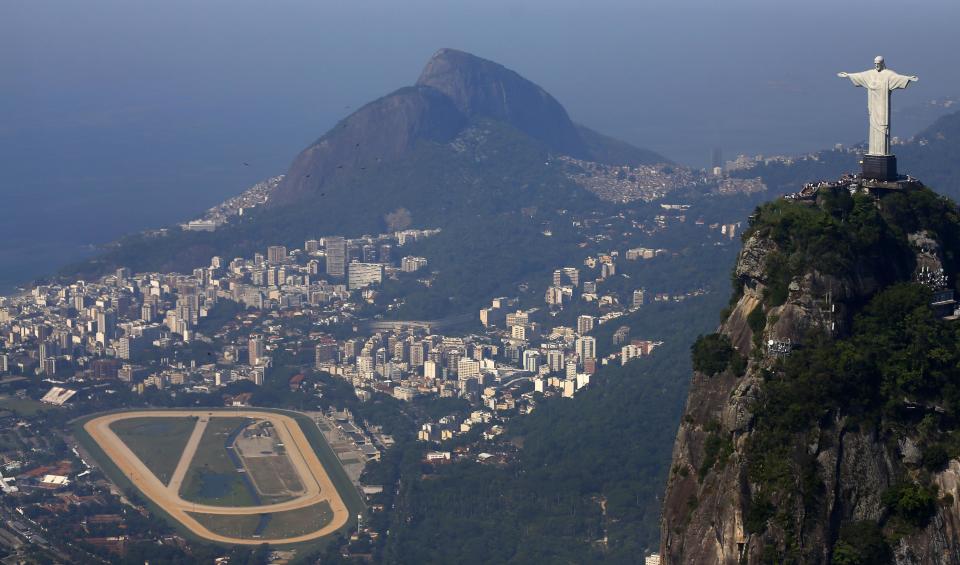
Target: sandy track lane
187,455
317,482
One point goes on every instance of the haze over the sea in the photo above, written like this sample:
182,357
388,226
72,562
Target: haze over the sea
116,116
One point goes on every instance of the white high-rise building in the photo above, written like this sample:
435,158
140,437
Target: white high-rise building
555,360
411,264
430,369
584,324
336,250
587,348
531,360
628,352
365,365
361,275
467,368
256,349
566,274
520,331
416,354
276,254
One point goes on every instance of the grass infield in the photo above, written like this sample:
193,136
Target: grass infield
212,478
350,495
158,442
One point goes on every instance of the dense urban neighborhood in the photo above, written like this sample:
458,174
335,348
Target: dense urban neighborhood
312,328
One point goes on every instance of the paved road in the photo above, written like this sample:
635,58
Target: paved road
317,483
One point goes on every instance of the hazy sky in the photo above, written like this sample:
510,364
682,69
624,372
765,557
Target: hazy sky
129,113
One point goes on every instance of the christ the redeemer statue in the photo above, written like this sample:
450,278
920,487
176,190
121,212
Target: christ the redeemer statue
879,82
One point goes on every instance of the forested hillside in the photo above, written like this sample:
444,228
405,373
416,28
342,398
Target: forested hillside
586,485
841,447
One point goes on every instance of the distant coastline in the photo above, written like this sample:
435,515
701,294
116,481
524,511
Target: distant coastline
24,260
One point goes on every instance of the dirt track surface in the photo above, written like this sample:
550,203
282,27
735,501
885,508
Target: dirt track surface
317,483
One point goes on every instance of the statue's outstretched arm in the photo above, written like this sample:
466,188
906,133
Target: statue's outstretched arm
902,81
842,74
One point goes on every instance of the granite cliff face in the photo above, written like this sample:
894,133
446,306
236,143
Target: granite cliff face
478,87
769,468
454,90
381,131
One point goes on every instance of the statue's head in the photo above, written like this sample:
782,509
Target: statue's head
878,63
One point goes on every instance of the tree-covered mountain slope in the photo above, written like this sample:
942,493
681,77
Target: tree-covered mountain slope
585,482
489,191
823,421
465,149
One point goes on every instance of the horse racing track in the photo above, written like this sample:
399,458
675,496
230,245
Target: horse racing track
230,476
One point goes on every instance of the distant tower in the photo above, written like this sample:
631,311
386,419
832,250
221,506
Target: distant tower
584,324
555,360
586,347
369,253
716,157
148,312
256,349
336,249
107,322
276,254
531,360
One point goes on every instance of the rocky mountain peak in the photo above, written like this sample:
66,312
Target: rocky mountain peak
479,87
454,88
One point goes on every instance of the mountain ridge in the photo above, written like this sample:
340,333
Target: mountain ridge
453,89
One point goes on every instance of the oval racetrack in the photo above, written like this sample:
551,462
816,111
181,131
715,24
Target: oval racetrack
313,475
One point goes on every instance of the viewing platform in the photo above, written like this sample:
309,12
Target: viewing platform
856,184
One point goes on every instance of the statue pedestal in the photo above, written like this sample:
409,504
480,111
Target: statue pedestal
880,167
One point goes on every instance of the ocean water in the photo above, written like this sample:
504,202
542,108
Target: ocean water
68,191
119,116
